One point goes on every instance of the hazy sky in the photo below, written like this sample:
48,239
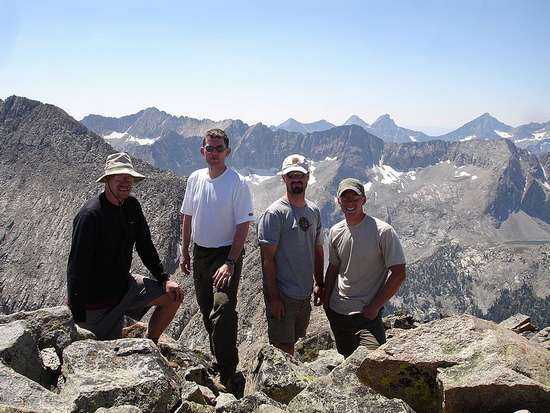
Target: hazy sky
432,65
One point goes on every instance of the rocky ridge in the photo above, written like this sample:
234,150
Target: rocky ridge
456,364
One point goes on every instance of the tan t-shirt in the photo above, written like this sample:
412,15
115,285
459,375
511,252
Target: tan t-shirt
363,253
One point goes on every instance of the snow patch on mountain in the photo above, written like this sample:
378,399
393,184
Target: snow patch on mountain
114,135
142,141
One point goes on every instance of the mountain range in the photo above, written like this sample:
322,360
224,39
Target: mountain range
474,216
145,127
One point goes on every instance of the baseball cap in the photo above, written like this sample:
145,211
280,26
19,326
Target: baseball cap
352,184
294,163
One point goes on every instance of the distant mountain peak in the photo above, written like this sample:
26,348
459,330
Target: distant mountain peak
356,120
385,120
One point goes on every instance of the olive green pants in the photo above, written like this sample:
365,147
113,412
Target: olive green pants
218,308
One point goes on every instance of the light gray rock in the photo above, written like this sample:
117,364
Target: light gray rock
341,391
192,407
119,409
307,348
266,408
83,334
460,364
279,375
542,338
127,371
20,394
49,359
326,361
19,351
52,327
519,323
250,403
223,399
194,392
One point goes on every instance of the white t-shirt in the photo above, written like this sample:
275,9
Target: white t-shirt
216,206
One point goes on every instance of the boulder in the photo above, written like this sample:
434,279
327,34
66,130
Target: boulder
326,361
542,337
250,403
192,407
267,408
189,365
307,348
279,375
341,391
139,330
460,364
52,327
194,392
21,394
519,323
18,350
110,373
119,409
223,399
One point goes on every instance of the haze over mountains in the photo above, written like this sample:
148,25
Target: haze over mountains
137,128
474,216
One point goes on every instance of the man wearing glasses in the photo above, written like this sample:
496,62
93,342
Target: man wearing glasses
291,245
362,251
217,210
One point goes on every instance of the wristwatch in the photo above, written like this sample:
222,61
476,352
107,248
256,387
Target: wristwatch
230,262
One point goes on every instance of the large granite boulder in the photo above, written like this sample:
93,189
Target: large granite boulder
21,394
120,372
461,364
542,337
257,401
52,327
278,375
341,391
19,351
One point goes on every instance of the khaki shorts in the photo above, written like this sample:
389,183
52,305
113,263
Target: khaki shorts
292,325
107,323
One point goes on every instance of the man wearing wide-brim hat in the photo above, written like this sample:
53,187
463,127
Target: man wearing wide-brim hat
101,289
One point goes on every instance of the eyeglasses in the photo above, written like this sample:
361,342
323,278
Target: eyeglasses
296,175
210,148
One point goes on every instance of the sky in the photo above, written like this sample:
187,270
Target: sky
431,65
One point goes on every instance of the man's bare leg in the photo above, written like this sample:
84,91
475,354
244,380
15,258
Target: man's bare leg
165,310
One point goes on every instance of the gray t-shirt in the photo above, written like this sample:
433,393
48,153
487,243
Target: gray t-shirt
296,232
363,253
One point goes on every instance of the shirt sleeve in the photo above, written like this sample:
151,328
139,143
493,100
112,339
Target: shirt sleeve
80,264
269,228
243,210
146,250
319,230
391,247
187,204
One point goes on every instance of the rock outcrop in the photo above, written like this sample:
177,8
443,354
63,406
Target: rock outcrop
461,364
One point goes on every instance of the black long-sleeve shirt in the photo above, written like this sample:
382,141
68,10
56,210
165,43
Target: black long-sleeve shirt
103,240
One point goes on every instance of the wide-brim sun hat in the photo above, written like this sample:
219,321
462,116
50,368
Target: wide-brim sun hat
294,163
119,163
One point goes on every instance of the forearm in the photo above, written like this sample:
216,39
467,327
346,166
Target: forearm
241,231
330,279
319,265
270,278
186,232
391,287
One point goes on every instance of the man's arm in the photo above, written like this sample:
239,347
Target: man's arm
318,275
80,264
222,277
269,269
330,281
185,259
391,287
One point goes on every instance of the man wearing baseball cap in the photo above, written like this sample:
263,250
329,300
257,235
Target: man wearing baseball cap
291,245
101,289
363,250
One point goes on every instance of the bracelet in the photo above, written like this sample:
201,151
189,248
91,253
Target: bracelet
230,261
